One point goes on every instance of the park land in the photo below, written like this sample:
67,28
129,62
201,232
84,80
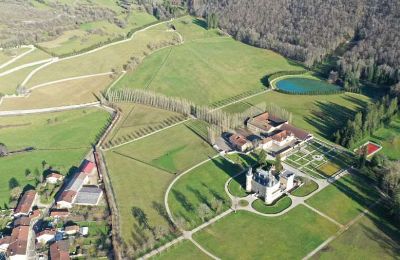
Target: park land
153,173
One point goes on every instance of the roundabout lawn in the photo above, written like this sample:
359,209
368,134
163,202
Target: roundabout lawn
245,235
275,208
243,203
307,188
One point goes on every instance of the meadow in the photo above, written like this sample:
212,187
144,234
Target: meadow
244,235
345,198
9,82
62,143
34,56
6,55
202,185
220,72
184,250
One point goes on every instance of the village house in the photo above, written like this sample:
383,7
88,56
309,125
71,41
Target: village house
45,236
59,213
88,167
268,184
25,204
22,221
17,248
71,230
4,243
89,195
59,250
54,178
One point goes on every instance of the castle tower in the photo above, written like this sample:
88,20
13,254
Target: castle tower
249,178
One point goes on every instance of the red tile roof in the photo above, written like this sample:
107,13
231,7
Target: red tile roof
300,134
67,196
72,228
87,166
280,136
26,202
5,240
18,241
59,213
237,139
59,250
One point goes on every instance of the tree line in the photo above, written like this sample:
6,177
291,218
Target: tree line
366,122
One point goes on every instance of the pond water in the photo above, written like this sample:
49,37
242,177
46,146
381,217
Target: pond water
305,85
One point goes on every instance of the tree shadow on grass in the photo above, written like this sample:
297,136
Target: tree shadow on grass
200,197
200,23
181,198
329,117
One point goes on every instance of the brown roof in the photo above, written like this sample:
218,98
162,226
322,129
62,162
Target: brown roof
22,221
72,228
59,250
266,121
300,134
59,213
280,136
5,240
18,241
35,213
26,202
237,139
67,196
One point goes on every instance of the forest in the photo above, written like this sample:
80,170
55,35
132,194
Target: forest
309,31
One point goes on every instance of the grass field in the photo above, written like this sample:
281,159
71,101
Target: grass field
9,83
307,188
36,55
244,235
215,60
138,119
201,185
173,150
184,250
345,198
276,207
62,144
320,115
72,92
389,138
8,54
372,237
106,59
92,33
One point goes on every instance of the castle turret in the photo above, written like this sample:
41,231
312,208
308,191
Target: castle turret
249,177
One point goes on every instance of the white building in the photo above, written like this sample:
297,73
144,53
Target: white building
265,184
45,236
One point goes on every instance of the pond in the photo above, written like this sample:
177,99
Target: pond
305,85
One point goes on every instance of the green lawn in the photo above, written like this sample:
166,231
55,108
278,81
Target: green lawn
244,235
201,185
137,120
174,150
372,237
278,206
9,82
62,145
8,54
184,250
389,138
307,188
320,114
220,72
237,186
345,198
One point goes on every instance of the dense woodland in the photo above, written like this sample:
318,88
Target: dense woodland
309,31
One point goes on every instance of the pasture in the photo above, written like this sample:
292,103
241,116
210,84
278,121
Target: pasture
220,72
184,250
345,198
73,92
244,235
320,114
35,55
62,139
8,54
9,82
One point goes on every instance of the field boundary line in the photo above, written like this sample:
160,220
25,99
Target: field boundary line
47,110
23,66
32,48
342,230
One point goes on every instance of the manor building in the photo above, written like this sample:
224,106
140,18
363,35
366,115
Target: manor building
268,184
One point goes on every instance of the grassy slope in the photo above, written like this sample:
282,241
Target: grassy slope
185,250
200,186
135,117
4,56
81,38
9,83
372,237
173,150
317,114
60,94
74,130
220,71
290,236
36,55
345,199
105,59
